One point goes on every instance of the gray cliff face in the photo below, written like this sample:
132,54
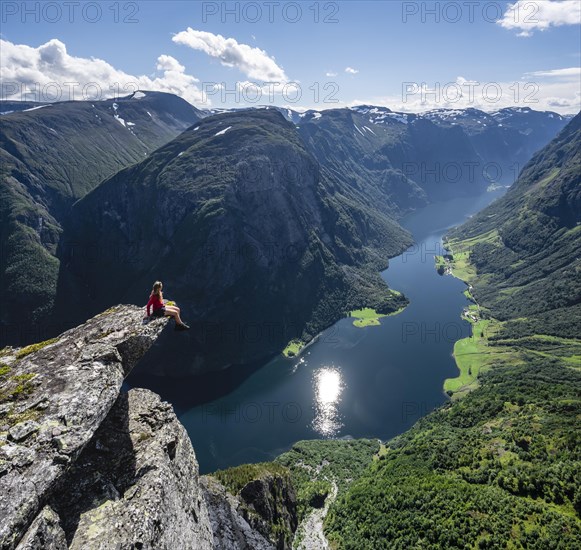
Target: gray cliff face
263,515
45,532
270,507
84,465
63,422
231,530
136,483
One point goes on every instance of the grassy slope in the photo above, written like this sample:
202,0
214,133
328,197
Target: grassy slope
501,467
336,244
49,158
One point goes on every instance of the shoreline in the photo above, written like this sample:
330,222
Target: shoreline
469,347
473,355
369,317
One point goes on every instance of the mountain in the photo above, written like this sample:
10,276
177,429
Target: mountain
362,159
526,246
404,160
8,106
51,155
238,220
378,165
503,141
467,146
499,466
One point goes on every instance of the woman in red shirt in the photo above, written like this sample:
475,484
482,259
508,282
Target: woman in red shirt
159,309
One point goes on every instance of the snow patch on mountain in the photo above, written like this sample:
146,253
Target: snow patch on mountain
121,120
222,132
35,108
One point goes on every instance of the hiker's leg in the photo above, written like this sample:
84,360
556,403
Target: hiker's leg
169,310
175,313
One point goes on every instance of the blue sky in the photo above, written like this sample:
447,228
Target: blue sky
382,46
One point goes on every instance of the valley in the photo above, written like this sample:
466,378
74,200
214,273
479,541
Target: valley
433,343
350,382
359,227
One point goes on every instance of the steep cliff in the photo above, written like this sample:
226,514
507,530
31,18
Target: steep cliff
86,465
136,482
252,506
237,220
50,156
83,465
525,246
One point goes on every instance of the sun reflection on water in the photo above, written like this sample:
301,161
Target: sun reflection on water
328,385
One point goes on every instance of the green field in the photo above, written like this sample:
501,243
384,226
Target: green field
368,317
293,348
460,250
475,355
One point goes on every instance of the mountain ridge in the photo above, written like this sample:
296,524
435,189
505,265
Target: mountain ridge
371,174
51,157
248,229
481,470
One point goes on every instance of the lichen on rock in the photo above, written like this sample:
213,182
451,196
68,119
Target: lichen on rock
71,384
142,489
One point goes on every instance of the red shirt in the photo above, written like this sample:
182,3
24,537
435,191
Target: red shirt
155,302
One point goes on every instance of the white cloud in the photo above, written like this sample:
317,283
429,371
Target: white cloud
49,73
549,90
527,16
253,62
351,70
330,74
169,63
565,104
570,72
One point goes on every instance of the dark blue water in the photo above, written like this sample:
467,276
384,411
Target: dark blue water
353,382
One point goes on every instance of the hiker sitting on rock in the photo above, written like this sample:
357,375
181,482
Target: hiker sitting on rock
159,309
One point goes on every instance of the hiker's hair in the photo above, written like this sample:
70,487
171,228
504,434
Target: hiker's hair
156,290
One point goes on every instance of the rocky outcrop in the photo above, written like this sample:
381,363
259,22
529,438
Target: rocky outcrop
270,507
87,466
136,483
45,532
263,515
231,531
57,398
